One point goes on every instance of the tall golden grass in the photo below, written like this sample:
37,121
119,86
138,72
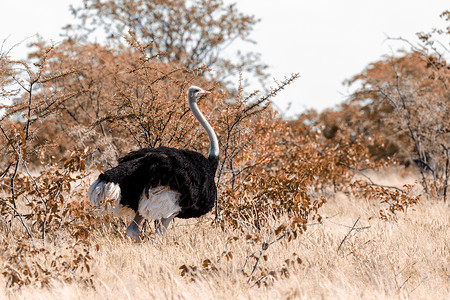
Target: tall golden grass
339,259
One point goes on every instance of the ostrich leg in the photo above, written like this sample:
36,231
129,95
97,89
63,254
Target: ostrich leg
161,225
133,229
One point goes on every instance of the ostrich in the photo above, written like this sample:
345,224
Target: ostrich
161,183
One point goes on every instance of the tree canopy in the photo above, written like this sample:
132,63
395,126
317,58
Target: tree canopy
192,32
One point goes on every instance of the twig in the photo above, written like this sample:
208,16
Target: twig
63,209
323,220
393,271
353,228
6,171
357,228
265,246
20,218
420,283
368,178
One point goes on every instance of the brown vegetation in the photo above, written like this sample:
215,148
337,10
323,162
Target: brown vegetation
75,107
401,110
407,259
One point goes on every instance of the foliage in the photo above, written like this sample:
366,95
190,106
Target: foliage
47,210
401,110
39,202
33,265
397,199
80,106
81,101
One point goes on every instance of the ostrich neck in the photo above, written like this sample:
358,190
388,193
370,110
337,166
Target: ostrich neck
213,142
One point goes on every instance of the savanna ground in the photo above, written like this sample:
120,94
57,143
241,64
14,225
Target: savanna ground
351,254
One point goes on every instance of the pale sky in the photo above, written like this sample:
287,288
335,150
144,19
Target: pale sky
326,41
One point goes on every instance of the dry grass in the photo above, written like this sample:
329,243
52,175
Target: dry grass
381,260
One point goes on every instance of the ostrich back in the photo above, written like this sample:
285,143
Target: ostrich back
187,172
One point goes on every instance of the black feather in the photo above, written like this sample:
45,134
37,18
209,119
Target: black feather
187,172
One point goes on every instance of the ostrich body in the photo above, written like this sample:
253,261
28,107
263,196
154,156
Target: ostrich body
161,183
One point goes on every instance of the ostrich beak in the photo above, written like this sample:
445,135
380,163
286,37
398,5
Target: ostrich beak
203,93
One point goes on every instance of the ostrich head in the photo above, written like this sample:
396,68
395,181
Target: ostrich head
194,92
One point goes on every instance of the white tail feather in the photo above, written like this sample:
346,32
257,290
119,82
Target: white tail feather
100,191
